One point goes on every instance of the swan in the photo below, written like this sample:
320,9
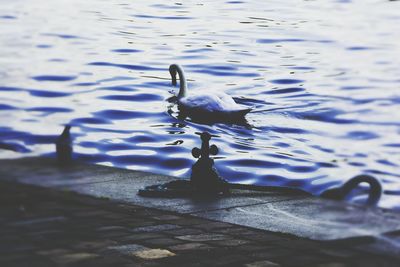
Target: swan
375,189
217,104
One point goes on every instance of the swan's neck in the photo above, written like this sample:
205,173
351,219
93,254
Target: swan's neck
375,187
182,80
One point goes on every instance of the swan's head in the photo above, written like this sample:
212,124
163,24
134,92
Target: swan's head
176,69
173,70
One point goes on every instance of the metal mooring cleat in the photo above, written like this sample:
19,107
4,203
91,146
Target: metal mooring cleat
205,177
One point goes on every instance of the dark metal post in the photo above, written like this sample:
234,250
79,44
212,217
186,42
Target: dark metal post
64,147
205,177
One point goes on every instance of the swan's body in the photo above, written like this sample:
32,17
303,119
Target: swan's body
217,104
375,189
212,102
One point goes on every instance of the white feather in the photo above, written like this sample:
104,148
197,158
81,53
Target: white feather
211,102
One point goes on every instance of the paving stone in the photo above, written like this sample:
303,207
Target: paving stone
111,228
143,264
73,257
338,252
40,220
152,254
51,252
112,234
33,261
387,245
18,247
162,242
166,217
267,253
127,249
100,213
80,242
116,216
190,246
229,242
203,237
302,259
228,260
265,237
189,221
148,213
156,228
91,245
209,226
140,223
262,264
332,264
12,257
141,236
45,232
106,261
185,231
370,261
186,259
299,244
236,230
350,242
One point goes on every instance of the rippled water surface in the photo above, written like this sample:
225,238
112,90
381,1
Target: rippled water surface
323,78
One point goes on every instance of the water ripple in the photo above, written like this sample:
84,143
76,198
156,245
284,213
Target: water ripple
124,66
53,78
8,17
325,105
6,107
286,81
45,93
285,91
163,17
136,97
126,50
122,114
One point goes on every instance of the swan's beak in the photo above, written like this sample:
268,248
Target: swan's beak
172,71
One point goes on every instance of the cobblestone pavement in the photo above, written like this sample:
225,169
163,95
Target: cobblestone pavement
43,227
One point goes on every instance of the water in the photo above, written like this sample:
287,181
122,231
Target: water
323,77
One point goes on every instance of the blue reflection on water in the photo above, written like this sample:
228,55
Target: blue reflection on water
323,84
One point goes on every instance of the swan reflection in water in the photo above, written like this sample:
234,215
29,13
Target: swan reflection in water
205,107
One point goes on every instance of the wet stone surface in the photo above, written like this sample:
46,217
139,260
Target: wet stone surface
44,227
274,211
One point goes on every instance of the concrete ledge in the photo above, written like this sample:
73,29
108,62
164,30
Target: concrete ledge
303,216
